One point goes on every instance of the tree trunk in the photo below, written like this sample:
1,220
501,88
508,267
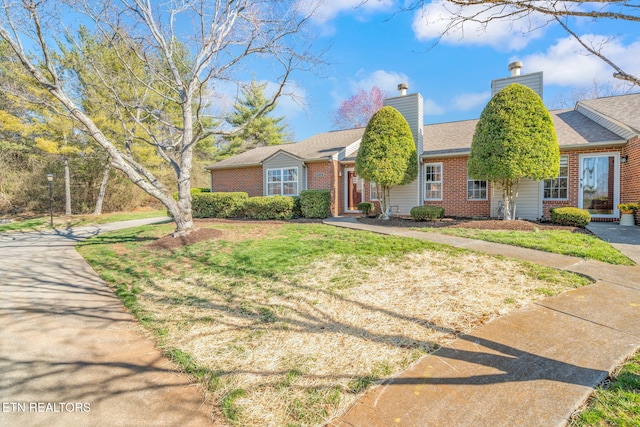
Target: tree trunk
103,188
509,198
385,198
67,188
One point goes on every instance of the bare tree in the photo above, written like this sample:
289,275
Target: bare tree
536,14
568,99
172,53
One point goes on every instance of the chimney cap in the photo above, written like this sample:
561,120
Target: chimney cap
515,67
402,86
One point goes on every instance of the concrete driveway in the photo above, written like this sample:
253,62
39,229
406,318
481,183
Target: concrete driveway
70,354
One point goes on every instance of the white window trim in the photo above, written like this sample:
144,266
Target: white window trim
297,181
566,177
486,193
441,181
373,194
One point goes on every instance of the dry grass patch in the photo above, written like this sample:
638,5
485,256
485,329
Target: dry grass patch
303,349
288,325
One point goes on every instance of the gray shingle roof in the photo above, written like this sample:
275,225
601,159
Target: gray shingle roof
454,138
623,108
572,129
322,145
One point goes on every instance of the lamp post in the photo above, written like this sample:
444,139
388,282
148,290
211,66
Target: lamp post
50,181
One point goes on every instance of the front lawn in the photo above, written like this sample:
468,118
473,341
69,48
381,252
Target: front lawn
43,223
617,402
555,241
287,324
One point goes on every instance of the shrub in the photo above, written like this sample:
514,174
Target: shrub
197,190
217,205
575,217
426,213
366,208
268,207
297,207
315,203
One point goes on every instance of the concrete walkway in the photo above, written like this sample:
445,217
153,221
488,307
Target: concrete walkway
533,367
70,354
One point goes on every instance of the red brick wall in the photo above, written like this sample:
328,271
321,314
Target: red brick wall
324,176
630,174
454,188
247,179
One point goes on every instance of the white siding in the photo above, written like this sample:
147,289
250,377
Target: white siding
528,204
403,198
533,81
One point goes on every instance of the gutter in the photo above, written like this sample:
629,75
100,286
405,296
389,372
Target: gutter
245,165
568,147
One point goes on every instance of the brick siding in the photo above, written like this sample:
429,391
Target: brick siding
247,179
324,176
454,189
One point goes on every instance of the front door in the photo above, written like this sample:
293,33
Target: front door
353,193
599,190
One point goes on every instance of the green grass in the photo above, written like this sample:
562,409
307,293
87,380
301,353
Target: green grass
28,224
617,403
258,263
77,220
555,241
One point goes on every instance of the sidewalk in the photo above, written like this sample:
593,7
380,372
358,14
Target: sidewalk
70,354
533,367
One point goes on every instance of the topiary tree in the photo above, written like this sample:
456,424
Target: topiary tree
515,138
387,154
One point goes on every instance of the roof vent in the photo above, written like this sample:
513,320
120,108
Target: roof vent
515,68
402,88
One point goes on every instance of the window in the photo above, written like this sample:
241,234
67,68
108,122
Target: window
558,188
476,190
433,181
373,192
282,182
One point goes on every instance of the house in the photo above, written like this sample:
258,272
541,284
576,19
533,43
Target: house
599,144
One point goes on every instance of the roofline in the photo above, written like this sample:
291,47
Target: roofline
243,165
318,159
606,144
466,152
248,165
590,112
281,151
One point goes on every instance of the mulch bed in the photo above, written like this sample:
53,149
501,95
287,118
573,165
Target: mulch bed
480,224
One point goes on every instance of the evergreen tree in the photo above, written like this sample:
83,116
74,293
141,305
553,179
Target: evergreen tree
515,138
387,154
261,131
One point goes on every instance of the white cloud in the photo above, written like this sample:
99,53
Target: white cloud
432,108
469,101
323,11
386,80
293,100
566,63
435,20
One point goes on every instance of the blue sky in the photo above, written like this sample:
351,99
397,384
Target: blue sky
372,45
